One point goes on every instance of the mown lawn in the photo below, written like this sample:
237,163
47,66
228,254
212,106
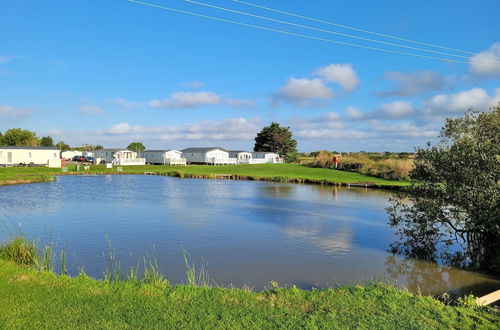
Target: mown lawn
261,171
37,300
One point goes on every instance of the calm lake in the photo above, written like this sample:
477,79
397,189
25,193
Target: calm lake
243,232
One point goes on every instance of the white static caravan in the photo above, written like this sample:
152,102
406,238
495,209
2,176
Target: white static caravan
10,155
164,157
118,157
262,157
69,154
212,156
241,156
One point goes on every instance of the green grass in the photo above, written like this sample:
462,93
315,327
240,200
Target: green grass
274,172
36,300
16,175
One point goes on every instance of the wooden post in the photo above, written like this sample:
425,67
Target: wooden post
489,298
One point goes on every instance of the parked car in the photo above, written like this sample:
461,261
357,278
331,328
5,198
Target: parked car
76,158
90,159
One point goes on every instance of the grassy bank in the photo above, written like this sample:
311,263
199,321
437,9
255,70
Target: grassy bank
267,172
36,299
18,175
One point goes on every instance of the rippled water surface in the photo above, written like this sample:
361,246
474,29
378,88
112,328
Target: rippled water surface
244,232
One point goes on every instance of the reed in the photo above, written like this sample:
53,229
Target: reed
20,250
195,278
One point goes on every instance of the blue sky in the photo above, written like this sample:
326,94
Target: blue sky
112,72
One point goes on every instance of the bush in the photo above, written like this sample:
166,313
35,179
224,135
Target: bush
386,166
20,250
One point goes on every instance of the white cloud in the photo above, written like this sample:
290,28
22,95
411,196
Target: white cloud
475,98
193,84
123,102
486,63
207,130
91,109
397,109
239,103
408,84
342,74
302,91
10,112
403,130
121,128
331,116
354,113
333,134
187,100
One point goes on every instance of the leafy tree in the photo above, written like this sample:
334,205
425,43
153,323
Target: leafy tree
20,138
98,147
454,195
46,141
63,146
136,146
275,138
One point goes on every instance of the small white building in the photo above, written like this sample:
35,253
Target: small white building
262,157
212,156
10,155
164,157
69,154
241,156
118,157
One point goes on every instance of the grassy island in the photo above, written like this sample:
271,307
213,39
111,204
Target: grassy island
265,172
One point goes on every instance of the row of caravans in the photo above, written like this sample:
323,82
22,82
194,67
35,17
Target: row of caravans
211,156
10,156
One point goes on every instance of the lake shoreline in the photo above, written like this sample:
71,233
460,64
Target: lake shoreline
277,173
154,302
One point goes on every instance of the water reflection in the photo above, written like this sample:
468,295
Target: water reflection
247,232
428,278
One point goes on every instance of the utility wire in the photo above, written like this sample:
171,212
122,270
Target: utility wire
297,34
351,27
323,30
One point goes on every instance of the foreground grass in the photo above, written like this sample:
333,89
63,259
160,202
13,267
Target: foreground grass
272,172
34,299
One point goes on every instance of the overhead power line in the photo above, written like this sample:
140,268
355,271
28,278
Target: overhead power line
297,34
351,27
323,30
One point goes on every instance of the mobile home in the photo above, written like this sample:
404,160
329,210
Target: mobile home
164,157
69,154
118,157
261,157
241,156
212,156
11,155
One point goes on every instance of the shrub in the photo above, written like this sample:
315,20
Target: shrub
20,250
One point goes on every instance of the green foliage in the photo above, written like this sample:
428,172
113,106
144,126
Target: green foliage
386,165
274,138
136,146
454,195
20,250
20,138
195,277
46,141
62,146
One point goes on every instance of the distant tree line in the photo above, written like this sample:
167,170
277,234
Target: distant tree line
25,138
